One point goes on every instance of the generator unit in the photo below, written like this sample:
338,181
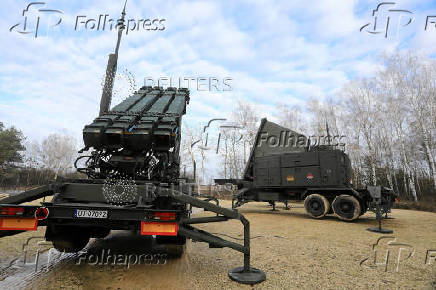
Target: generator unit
284,166
314,168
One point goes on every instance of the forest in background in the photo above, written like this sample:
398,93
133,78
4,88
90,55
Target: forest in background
389,121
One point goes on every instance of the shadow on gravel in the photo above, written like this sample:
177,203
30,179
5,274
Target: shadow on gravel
126,242
120,248
367,219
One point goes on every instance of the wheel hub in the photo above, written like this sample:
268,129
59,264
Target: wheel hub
346,207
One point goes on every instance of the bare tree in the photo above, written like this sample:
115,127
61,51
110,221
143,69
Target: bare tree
414,80
389,121
246,116
291,117
56,152
237,138
232,152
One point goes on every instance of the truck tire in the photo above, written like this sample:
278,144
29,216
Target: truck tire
67,239
99,233
70,244
346,207
175,251
316,205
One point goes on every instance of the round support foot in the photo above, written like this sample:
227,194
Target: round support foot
251,276
380,230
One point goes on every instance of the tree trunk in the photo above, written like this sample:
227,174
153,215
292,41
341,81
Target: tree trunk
430,161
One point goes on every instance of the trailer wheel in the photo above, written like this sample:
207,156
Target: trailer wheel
175,251
316,205
346,207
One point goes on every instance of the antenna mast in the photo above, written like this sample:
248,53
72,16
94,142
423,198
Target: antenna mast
111,69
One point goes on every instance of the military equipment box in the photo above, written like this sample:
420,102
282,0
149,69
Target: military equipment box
284,165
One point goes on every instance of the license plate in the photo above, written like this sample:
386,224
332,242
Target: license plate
90,214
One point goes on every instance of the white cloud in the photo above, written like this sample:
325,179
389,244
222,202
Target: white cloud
275,51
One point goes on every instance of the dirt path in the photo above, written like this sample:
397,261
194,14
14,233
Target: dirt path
294,250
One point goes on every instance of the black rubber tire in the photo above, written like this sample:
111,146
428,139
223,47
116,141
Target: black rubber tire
316,205
346,207
67,239
175,251
100,233
70,244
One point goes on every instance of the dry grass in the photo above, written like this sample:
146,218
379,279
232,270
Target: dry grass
428,204
294,250
13,246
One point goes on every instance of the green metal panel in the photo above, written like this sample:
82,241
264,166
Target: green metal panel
273,139
299,159
162,103
178,104
150,116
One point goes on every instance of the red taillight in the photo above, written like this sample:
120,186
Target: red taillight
41,213
12,211
165,216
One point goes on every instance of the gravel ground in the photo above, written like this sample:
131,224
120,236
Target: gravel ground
294,250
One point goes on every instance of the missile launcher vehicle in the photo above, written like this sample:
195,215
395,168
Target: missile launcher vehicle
140,137
283,167
131,162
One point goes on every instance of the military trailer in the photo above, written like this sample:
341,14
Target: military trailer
131,161
283,166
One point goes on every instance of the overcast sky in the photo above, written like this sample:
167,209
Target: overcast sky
274,52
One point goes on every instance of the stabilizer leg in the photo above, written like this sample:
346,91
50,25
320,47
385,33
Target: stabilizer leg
379,229
287,207
388,217
274,206
250,276
245,274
